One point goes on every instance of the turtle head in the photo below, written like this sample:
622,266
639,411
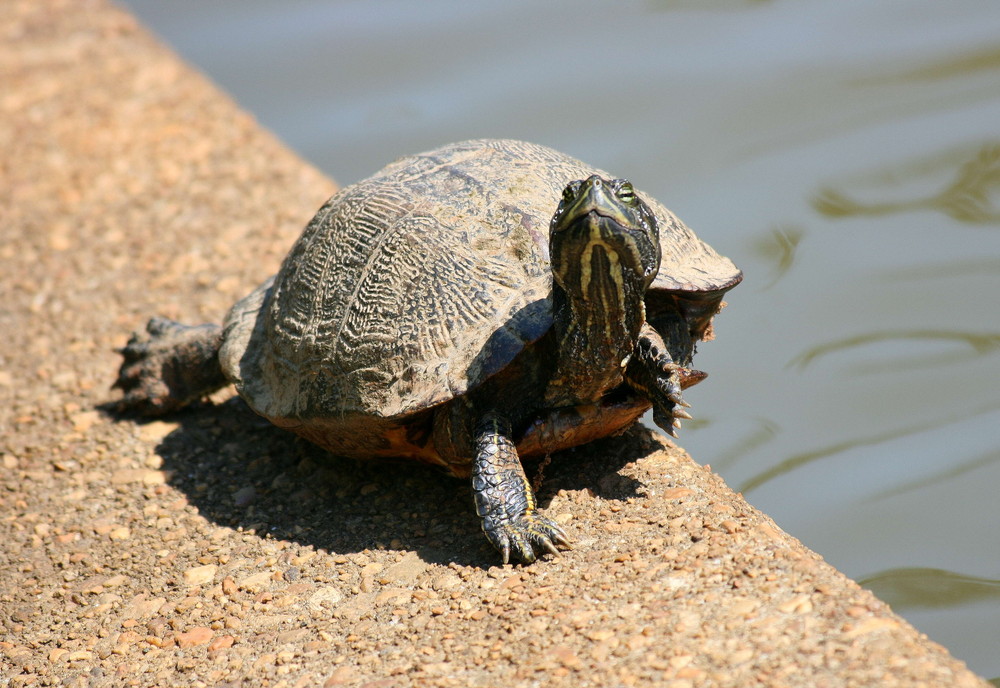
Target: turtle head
605,251
602,237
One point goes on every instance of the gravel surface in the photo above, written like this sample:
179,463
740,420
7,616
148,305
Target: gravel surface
211,549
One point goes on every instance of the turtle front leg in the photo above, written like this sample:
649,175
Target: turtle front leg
652,372
504,500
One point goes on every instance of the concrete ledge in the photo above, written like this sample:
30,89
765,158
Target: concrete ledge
212,549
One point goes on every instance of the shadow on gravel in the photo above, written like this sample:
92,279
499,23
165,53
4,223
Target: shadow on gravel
242,472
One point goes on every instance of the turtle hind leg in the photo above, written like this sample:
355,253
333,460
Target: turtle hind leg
168,366
504,500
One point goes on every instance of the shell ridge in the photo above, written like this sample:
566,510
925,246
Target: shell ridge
369,271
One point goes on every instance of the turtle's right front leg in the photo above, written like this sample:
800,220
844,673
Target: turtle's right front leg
652,373
504,500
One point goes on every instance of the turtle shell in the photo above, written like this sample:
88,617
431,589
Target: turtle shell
415,285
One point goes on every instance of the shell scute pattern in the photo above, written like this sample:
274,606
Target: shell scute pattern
413,286
402,271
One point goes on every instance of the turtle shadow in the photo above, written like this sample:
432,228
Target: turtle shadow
241,472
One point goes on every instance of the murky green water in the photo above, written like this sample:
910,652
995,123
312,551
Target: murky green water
845,154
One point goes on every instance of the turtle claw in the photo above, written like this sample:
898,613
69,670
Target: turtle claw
675,396
653,373
668,417
670,408
551,548
527,537
167,367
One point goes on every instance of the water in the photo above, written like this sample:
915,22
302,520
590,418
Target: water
846,155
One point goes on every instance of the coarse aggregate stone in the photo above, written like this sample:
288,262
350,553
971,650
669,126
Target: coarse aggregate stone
211,549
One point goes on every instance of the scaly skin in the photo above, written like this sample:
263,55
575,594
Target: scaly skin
652,373
504,500
168,367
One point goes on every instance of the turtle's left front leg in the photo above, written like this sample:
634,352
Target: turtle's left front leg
504,500
652,372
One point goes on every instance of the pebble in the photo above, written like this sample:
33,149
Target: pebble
741,656
870,626
393,596
222,642
292,636
742,607
405,570
325,598
801,604
256,582
340,676
85,420
244,496
142,606
145,476
154,431
200,575
677,492
198,635
120,533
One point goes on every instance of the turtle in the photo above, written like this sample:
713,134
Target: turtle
466,307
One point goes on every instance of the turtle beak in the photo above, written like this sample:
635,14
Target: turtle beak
594,196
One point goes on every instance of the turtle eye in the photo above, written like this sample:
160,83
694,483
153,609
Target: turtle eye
626,192
571,191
